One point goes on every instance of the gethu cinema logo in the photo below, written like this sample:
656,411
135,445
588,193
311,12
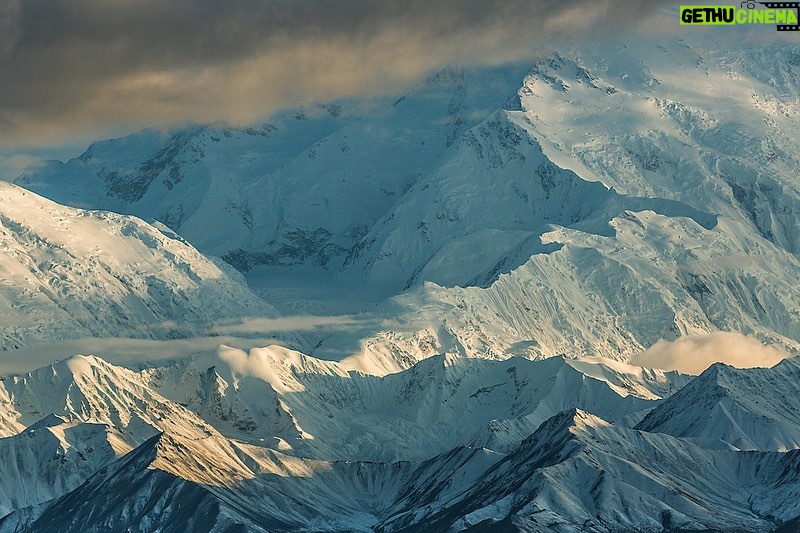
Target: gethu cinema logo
782,14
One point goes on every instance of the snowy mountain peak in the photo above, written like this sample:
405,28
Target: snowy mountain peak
749,409
88,389
70,273
572,421
48,421
210,460
82,367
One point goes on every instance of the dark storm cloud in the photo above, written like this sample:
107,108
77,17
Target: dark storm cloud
83,65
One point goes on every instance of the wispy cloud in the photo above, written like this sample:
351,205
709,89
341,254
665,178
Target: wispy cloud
121,351
12,165
695,353
265,326
78,66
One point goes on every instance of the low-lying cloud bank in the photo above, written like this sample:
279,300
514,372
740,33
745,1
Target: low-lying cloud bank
132,353
695,353
265,326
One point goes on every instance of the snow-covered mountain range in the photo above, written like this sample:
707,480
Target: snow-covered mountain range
449,444
491,250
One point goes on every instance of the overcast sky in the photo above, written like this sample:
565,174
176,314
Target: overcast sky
75,70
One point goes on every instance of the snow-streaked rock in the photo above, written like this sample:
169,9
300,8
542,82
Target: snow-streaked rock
751,409
605,200
274,194
578,473
589,203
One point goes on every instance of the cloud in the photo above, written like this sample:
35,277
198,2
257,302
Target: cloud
87,66
264,326
12,165
120,351
695,353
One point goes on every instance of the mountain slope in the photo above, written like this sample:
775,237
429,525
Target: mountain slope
69,273
319,409
178,484
68,421
752,409
88,389
51,458
492,193
612,296
573,470
134,492
578,472
618,207
646,129
91,413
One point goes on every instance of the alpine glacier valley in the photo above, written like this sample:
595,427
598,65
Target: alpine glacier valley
558,294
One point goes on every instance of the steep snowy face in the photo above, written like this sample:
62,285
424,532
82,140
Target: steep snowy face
711,126
173,177
483,210
68,273
52,457
65,422
216,485
517,234
753,409
655,278
141,490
